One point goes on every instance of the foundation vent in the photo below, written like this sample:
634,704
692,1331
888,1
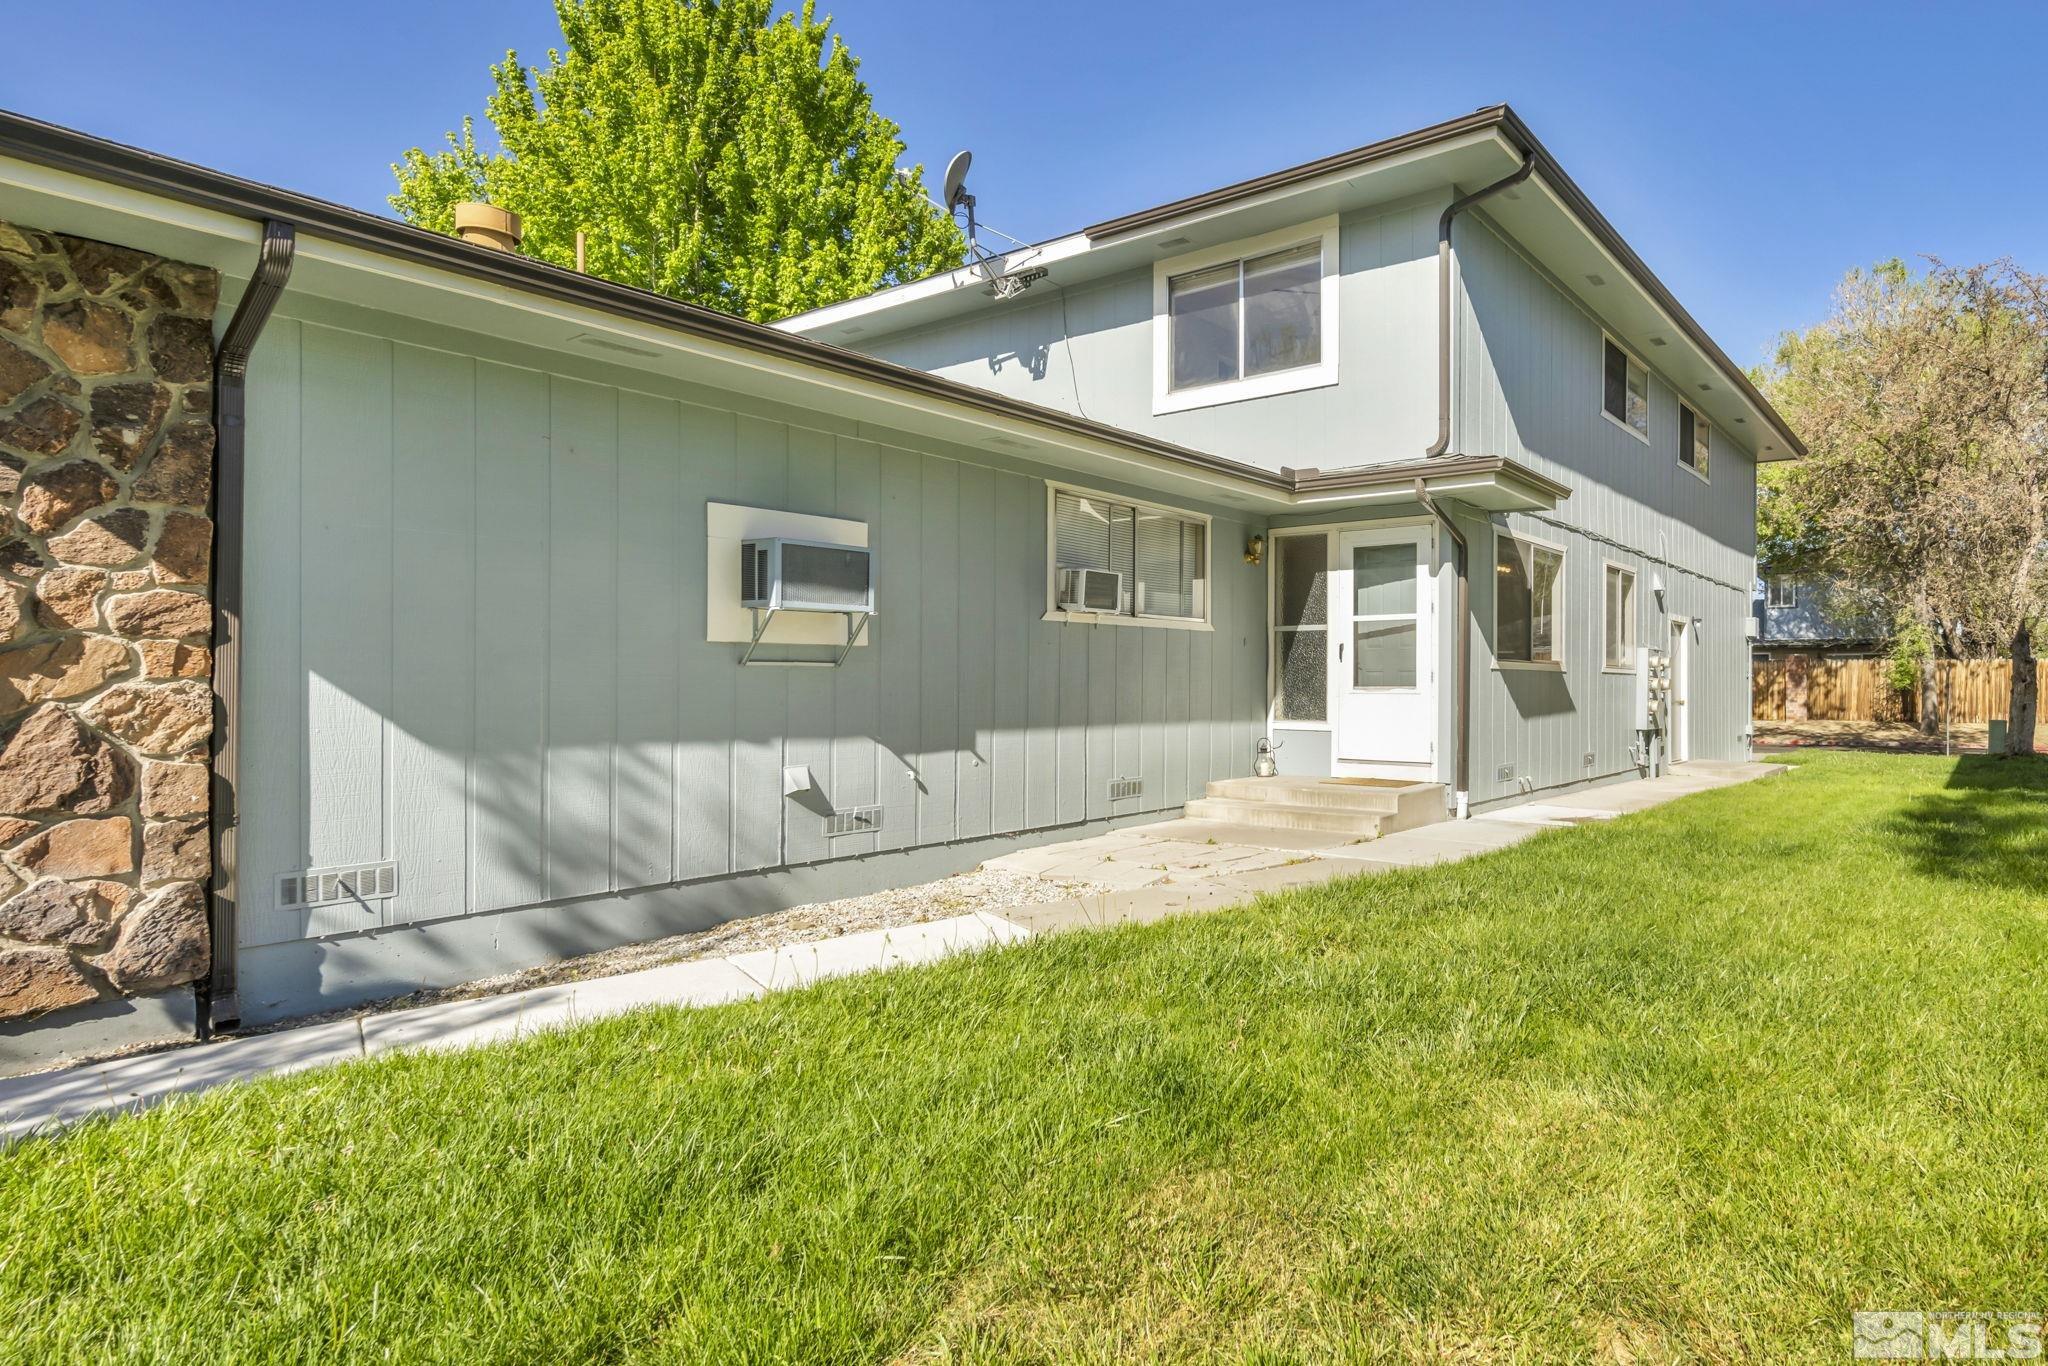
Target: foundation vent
332,886
1123,789
854,820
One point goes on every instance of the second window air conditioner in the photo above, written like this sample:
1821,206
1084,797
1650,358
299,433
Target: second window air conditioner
1091,590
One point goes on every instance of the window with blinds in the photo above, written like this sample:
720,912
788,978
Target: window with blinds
1160,557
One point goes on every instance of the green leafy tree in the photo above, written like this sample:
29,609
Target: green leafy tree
708,149
1924,403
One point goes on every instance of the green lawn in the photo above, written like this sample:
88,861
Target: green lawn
1694,1084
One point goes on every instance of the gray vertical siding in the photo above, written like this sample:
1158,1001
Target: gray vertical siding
476,643
1528,369
1527,372
1088,349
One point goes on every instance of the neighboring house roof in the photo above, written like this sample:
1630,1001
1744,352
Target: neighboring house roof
1820,614
1558,225
1006,424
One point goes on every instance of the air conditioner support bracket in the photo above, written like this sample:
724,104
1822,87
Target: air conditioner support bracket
856,622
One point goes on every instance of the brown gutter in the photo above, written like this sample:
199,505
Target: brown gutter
49,145
1378,476
1358,157
219,1001
1510,125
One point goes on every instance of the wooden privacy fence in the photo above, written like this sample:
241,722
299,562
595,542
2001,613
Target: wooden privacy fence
1976,690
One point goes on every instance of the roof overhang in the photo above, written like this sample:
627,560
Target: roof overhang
1548,218
63,181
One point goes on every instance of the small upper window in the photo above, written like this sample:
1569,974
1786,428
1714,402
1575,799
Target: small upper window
1783,593
1246,320
1692,440
1620,650
1123,559
1528,601
1626,394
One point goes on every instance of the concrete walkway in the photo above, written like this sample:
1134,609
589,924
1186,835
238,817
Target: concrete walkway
1173,868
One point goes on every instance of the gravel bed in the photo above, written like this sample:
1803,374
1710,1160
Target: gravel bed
984,889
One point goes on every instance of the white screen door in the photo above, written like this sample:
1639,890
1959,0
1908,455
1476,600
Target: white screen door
1381,678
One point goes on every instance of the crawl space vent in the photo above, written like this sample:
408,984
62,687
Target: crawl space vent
855,820
332,886
1123,789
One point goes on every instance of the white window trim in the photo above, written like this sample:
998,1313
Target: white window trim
1053,611
1607,339
1699,419
1635,580
1563,605
1167,399
1771,604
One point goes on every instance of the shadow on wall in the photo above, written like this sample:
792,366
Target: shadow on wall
1989,827
1538,692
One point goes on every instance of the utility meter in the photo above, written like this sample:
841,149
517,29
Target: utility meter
1653,689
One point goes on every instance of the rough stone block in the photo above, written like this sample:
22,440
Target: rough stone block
102,847
163,941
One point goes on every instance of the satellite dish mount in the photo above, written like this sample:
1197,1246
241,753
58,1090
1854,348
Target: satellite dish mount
957,198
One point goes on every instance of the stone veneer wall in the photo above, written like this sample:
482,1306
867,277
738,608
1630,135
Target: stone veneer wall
106,470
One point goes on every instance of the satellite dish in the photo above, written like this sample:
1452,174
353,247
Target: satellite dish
956,180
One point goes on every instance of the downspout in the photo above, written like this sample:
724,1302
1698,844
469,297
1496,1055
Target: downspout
219,1002
1443,444
1463,561
1443,296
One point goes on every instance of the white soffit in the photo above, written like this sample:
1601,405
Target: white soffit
1076,259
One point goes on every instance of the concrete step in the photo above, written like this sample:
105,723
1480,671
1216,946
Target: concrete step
1272,815
1403,806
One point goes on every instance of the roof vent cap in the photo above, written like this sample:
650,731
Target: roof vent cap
487,225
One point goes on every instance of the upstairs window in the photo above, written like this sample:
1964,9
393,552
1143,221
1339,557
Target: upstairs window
1692,440
1256,316
1626,393
1528,602
1782,593
1246,320
1159,559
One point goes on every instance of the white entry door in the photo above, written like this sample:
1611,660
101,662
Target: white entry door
1382,683
1681,689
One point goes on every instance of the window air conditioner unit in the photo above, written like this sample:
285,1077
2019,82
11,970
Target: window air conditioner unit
778,574
1091,590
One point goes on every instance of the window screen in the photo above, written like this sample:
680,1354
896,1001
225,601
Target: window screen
1625,391
1692,439
1163,558
1620,631
1204,311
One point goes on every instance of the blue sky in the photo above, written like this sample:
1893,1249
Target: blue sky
1749,153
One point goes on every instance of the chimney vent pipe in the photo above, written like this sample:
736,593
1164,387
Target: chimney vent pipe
486,225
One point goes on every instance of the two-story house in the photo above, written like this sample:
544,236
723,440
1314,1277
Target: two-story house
1509,455
381,610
